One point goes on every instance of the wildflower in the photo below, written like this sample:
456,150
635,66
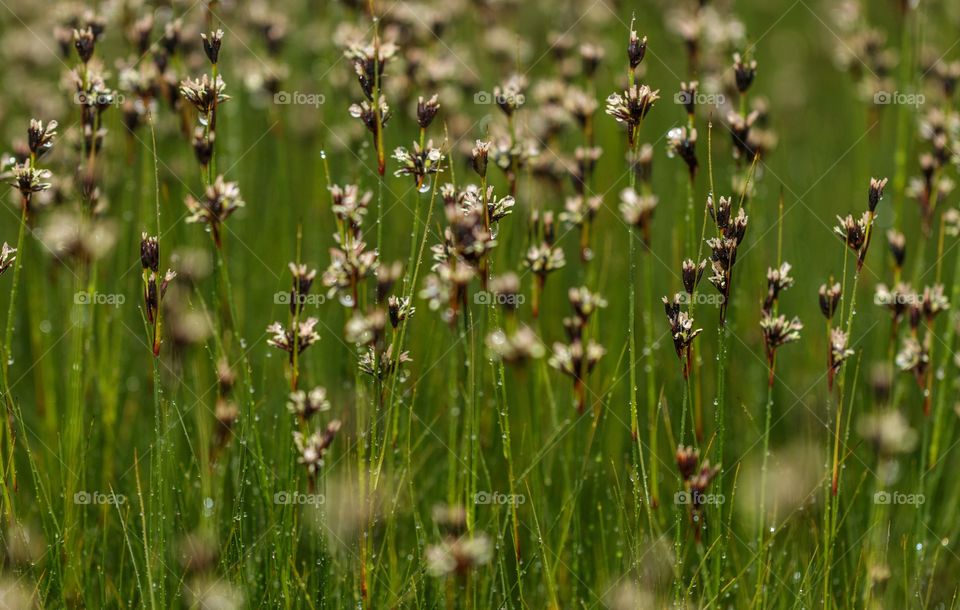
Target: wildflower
506,288
366,329
85,41
637,211
839,352
683,144
313,447
636,47
744,72
205,94
478,157
387,276
149,253
515,348
27,179
452,520
933,302
203,146
687,459
914,358
778,331
778,280
211,45
724,247
740,127
306,404
897,299
631,107
641,163
399,310
591,56
829,299
40,138
427,110
446,288
876,192
154,290
696,478
691,273
76,235
888,432
302,281
369,62
897,243
542,260
688,96
509,97
226,413
579,210
349,264
418,162
497,207
349,205
367,113
853,232
8,256
577,361
294,339
382,366
681,330
584,302
586,160
580,105
219,201
458,556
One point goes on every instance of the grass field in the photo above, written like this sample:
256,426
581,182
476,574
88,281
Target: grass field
488,304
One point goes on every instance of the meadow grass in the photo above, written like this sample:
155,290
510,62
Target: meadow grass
479,305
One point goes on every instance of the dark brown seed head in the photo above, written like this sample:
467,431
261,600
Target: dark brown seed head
40,136
171,36
687,459
829,299
203,146
876,192
744,72
688,95
149,253
692,272
898,246
211,45
479,156
85,42
636,48
427,110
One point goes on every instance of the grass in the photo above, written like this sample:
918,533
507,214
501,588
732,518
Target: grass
507,418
